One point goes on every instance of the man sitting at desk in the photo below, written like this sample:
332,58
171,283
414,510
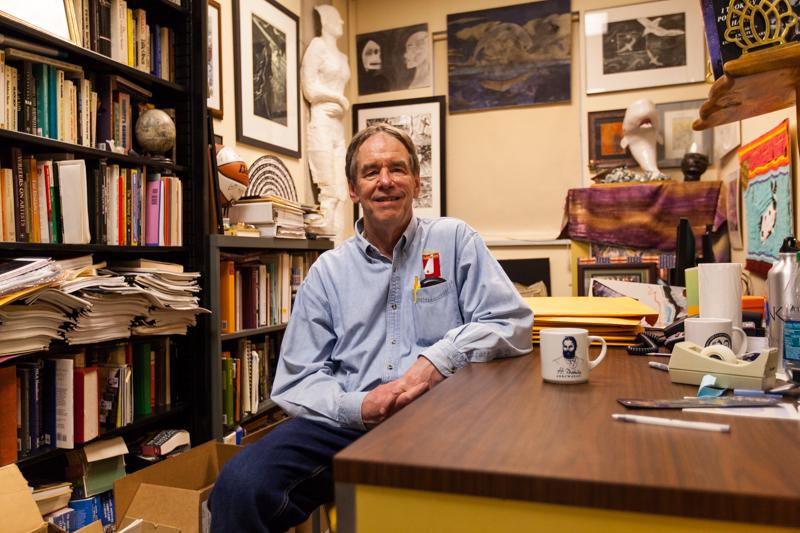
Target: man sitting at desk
378,321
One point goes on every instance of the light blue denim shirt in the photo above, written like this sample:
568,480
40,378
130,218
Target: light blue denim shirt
355,323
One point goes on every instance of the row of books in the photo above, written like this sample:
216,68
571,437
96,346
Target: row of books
51,98
257,290
75,513
111,28
247,378
46,97
46,199
270,216
72,398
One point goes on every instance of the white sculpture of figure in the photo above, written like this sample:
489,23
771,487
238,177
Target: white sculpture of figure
640,134
324,74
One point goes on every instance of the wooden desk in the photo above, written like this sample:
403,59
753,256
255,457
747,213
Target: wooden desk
495,449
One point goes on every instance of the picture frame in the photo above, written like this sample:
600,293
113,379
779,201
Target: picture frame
643,45
675,126
424,120
635,272
605,134
214,59
394,60
733,208
267,74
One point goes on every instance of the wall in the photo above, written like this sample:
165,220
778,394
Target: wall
508,171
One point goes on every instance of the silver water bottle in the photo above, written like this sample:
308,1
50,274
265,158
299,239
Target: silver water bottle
777,292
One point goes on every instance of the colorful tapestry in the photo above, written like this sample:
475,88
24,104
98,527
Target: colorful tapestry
642,215
765,170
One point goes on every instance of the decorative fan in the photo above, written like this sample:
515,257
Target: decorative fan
269,176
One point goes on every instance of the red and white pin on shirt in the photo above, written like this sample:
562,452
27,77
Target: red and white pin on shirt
430,264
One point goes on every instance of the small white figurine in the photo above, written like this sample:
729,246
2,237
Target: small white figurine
325,72
640,134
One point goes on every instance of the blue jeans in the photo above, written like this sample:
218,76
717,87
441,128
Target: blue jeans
278,481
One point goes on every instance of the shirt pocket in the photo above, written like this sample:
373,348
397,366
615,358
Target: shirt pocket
435,313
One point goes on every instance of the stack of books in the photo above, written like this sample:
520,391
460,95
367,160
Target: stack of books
617,320
273,216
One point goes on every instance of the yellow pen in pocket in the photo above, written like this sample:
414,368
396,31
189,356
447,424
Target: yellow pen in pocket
417,287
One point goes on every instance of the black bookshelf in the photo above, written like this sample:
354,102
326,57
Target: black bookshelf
92,61
140,423
39,143
187,96
252,332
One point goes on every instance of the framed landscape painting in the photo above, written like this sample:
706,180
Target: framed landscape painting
643,45
266,59
423,119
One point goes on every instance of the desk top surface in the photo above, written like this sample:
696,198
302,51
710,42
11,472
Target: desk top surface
496,430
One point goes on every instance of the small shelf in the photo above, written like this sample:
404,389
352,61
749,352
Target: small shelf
67,249
17,137
139,422
756,83
251,332
90,60
233,241
263,407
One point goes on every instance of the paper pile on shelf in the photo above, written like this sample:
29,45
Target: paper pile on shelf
174,296
617,320
272,215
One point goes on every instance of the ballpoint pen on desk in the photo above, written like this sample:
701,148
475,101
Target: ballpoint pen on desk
671,422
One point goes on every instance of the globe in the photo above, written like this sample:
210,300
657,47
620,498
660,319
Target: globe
155,131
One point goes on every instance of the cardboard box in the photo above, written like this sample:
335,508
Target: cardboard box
172,492
20,513
257,434
138,525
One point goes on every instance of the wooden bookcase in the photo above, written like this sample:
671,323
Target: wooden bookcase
217,244
187,96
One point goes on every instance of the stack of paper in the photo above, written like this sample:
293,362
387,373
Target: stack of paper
617,320
174,296
272,215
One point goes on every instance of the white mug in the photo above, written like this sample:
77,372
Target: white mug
565,354
709,331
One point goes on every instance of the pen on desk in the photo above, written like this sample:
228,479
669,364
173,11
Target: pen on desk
658,366
671,422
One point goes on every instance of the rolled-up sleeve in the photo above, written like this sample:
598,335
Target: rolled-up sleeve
304,383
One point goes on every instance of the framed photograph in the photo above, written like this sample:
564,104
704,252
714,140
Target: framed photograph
605,135
393,60
214,58
424,121
675,126
266,44
643,45
509,56
733,208
726,138
638,273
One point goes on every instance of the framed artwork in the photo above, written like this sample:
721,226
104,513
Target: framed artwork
509,56
726,138
605,134
637,273
267,64
214,59
52,16
424,121
675,126
643,45
733,208
393,60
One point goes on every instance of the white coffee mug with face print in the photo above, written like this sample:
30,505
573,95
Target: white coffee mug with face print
709,331
565,354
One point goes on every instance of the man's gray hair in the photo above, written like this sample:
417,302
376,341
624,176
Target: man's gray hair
351,162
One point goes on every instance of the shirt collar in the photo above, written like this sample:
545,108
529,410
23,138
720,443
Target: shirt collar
370,251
